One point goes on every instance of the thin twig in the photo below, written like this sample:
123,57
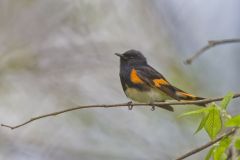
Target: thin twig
163,105
207,145
210,44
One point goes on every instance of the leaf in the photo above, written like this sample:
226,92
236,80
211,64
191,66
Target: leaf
219,152
202,124
226,100
209,154
233,122
213,123
202,110
237,144
225,142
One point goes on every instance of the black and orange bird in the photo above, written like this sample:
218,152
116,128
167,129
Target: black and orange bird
142,83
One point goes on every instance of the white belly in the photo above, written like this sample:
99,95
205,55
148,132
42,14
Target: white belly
146,96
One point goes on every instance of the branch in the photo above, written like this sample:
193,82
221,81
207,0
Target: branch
210,45
164,105
207,145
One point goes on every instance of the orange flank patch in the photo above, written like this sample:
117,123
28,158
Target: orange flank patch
186,94
159,82
134,77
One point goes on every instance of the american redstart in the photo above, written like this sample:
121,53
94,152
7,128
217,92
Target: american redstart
142,83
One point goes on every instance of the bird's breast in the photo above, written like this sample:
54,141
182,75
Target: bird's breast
148,96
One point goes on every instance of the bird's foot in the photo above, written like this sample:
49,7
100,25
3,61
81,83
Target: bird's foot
152,107
167,107
130,105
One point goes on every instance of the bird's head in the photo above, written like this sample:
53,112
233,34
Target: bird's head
132,57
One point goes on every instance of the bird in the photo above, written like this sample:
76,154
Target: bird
142,83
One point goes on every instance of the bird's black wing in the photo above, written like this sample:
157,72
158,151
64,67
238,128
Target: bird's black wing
155,79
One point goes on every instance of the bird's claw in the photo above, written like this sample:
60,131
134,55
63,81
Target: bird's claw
153,108
130,105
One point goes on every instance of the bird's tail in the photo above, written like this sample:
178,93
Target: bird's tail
201,104
183,96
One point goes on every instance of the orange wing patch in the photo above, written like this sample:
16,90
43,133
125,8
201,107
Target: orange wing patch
186,94
134,77
159,82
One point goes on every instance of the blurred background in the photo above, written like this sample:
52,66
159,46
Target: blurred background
59,54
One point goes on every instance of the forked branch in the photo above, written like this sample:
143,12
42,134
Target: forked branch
231,132
210,45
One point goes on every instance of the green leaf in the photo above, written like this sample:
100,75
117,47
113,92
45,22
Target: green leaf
237,144
233,122
202,110
226,100
213,123
203,122
219,152
209,154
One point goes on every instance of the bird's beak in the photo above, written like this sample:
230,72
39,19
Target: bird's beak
119,55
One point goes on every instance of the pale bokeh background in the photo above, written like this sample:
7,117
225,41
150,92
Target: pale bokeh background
60,53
